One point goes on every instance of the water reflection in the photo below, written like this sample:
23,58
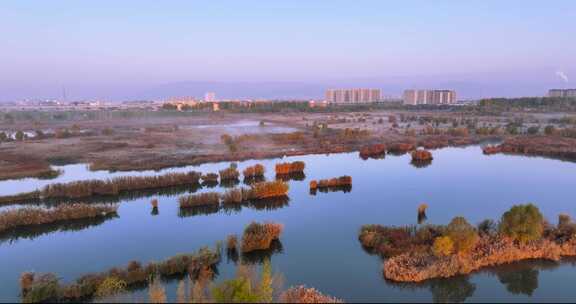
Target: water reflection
420,164
449,290
268,204
521,278
229,183
125,196
296,176
198,210
345,189
422,217
253,180
33,232
259,256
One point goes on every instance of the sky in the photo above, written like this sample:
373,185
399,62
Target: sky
149,49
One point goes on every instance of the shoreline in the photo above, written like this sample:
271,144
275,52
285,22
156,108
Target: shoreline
490,252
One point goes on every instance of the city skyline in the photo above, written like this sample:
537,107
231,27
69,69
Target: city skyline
130,51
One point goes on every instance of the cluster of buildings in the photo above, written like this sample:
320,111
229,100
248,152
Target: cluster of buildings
429,97
411,97
562,93
352,96
189,101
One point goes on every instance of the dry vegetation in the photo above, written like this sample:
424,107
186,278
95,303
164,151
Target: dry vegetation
260,236
290,168
115,186
421,156
301,294
36,288
343,183
199,200
373,151
255,171
416,254
31,216
228,174
553,147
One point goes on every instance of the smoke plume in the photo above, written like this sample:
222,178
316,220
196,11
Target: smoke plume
562,75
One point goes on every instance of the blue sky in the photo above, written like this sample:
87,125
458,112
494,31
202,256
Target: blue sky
117,49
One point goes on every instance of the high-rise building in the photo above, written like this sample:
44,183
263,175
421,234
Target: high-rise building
563,93
353,95
434,97
210,96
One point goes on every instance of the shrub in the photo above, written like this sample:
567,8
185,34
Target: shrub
238,290
202,199
268,189
421,156
313,185
232,196
443,246
154,203
110,286
301,294
392,241
342,181
229,174
288,168
487,227
462,234
259,236
44,289
254,171
376,150
522,223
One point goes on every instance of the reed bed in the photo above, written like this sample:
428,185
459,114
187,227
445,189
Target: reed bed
36,231
197,200
210,178
288,168
260,236
268,189
36,288
234,196
229,174
400,148
342,181
257,170
22,197
421,156
115,186
33,216
373,151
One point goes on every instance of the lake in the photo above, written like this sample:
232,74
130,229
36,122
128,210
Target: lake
320,245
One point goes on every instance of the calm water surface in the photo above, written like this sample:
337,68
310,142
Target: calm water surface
320,246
